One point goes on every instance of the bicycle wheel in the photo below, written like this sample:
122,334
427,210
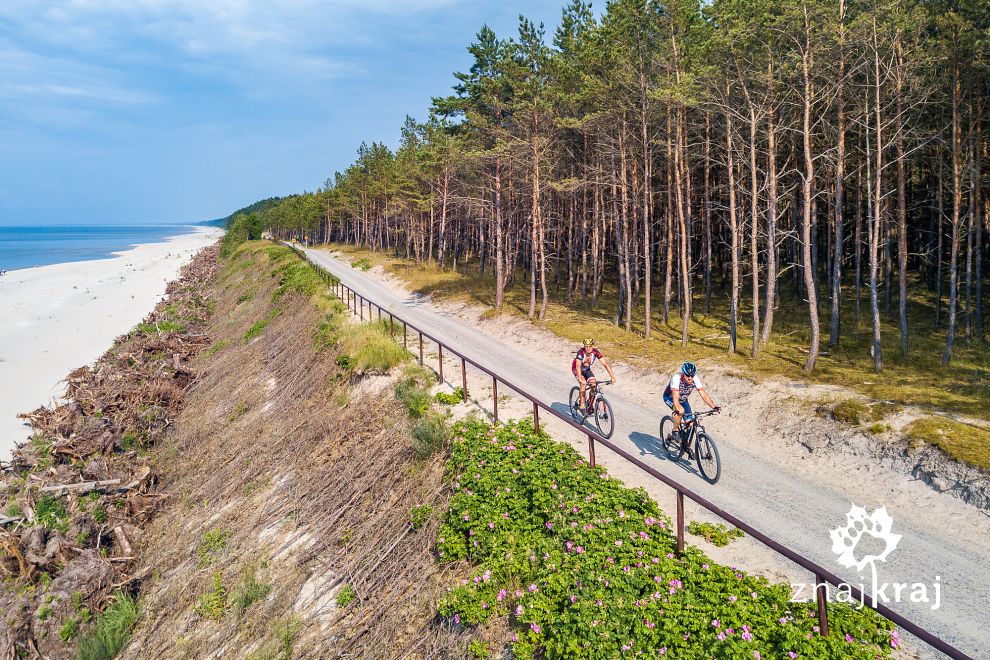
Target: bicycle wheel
573,402
603,417
709,464
671,447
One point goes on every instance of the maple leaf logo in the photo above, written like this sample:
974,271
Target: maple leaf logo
858,522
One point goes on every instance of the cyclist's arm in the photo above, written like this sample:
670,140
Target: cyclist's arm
608,368
704,395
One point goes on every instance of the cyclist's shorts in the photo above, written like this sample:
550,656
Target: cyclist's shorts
669,400
586,372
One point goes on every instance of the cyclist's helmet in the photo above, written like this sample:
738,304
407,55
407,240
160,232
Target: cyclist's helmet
589,342
688,369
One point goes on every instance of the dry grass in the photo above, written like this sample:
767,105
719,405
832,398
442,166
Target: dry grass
964,442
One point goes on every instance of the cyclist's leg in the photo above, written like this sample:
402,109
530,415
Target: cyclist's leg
582,384
686,405
669,400
591,381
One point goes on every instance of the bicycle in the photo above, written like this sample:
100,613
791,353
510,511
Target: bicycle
705,451
597,404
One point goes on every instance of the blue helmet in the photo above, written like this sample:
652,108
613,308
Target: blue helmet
688,369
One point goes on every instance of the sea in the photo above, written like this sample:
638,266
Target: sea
26,247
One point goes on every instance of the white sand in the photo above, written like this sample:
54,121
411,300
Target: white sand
59,317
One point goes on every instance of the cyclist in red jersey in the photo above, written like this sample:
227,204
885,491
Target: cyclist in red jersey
581,367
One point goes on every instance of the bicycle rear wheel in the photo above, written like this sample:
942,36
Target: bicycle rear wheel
575,398
709,464
603,417
671,446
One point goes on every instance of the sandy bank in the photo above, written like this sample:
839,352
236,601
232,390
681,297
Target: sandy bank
56,318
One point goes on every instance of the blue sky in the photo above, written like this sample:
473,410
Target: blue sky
183,110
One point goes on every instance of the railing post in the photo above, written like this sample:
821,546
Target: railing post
421,347
680,524
464,380
591,450
405,340
391,325
440,351
536,418
362,309
821,597
495,397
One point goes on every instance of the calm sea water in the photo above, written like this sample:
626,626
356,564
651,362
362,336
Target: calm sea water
24,247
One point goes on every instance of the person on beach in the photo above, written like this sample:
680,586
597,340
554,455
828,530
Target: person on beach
581,368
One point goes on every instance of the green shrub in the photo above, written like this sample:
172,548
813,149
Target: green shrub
100,514
450,399
419,515
578,565
239,411
212,546
411,393
213,604
715,533
431,434
346,596
112,629
297,277
13,511
69,629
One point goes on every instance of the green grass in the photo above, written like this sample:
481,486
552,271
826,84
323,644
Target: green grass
162,327
239,411
430,434
370,348
248,591
411,390
915,379
50,512
419,515
280,648
857,411
216,347
112,629
450,399
256,330
961,441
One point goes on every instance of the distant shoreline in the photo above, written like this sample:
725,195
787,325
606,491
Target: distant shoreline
61,316
35,246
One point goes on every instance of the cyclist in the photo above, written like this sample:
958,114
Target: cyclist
683,383
581,368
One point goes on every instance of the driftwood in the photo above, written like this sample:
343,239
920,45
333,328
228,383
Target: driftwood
81,488
7,521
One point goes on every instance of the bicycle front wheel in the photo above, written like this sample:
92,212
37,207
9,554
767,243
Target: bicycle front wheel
603,417
574,401
709,464
671,446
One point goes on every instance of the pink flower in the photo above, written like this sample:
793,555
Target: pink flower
850,639
644,536
519,593
549,525
791,655
573,598
732,599
535,628
457,618
756,654
663,650
491,525
748,637
715,623
501,595
721,636
618,543
519,610
467,517
579,550
622,514
505,515
532,588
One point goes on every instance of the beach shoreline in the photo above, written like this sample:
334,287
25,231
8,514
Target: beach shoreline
63,316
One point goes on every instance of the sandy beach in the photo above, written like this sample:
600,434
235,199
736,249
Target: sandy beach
59,317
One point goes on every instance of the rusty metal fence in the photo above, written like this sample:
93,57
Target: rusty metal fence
357,303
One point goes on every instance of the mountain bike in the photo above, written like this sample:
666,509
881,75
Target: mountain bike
598,406
704,451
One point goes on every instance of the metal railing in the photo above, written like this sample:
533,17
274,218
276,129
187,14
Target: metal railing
357,303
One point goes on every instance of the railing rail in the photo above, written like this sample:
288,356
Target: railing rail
356,302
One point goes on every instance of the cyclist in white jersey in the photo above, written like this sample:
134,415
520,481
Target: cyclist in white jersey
680,387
